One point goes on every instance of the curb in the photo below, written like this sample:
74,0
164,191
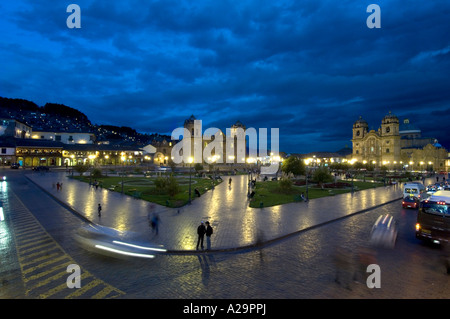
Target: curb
62,203
273,240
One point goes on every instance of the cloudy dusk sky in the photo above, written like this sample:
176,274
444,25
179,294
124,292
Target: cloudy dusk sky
309,68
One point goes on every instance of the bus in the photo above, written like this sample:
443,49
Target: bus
433,218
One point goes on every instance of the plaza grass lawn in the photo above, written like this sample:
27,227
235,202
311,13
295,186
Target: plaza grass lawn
269,193
144,188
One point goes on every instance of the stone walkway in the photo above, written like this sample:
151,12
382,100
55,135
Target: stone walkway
236,225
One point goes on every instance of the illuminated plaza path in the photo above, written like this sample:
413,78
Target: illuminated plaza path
235,224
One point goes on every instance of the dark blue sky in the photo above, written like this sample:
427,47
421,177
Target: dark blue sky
309,68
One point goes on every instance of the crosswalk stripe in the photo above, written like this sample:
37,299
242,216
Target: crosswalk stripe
47,281
42,260
84,288
49,271
34,243
32,255
42,265
36,248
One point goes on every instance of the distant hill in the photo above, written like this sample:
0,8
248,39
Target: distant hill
18,105
61,117
64,111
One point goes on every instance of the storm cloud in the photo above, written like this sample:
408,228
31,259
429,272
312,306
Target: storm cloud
309,68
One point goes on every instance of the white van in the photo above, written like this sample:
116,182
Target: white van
414,189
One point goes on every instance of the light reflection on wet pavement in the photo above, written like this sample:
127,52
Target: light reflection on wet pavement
235,223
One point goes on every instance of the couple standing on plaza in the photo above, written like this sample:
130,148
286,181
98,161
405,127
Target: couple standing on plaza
203,230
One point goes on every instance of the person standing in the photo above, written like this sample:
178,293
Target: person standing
99,209
208,233
201,230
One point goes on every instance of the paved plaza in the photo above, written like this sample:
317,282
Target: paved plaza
235,224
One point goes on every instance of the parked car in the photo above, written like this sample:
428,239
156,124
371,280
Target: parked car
410,202
15,165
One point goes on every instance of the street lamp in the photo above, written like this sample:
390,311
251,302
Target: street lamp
123,168
307,194
190,176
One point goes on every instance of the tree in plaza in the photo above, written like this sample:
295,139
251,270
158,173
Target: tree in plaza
293,165
96,172
172,186
285,183
198,167
358,166
81,168
172,165
167,186
322,175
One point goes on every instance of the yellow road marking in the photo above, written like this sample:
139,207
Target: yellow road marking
36,247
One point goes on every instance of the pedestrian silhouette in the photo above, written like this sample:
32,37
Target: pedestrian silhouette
201,230
208,233
155,223
99,208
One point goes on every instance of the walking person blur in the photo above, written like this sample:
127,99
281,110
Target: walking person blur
364,257
343,263
99,209
201,230
155,223
208,233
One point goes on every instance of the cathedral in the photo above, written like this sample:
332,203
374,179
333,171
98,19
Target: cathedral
214,143
396,145
210,146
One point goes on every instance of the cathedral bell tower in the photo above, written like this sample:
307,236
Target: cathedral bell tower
390,125
390,140
360,130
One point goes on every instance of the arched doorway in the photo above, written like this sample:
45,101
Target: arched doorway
159,159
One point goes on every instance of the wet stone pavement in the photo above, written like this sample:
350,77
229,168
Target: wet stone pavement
236,225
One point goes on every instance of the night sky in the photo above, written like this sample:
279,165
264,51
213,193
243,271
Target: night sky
309,68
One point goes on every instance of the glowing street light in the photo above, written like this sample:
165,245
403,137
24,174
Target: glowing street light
190,160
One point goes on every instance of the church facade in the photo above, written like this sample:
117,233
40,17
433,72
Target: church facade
215,143
396,145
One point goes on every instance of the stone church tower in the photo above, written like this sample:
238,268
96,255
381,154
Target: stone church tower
390,139
380,147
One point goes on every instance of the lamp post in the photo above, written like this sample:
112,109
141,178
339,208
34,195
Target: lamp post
123,168
307,194
190,177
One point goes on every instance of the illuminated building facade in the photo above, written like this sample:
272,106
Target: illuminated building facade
396,145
